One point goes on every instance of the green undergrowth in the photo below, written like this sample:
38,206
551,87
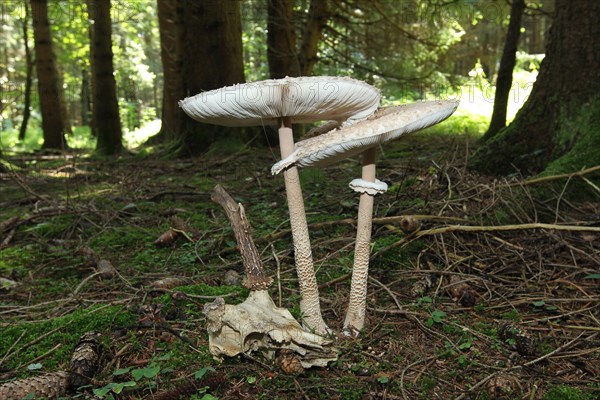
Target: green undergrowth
52,340
565,392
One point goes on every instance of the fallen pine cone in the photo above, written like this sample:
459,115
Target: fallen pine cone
524,344
50,386
105,270
167,238
289,362
502,387
409,224
462,292
422,286
85,360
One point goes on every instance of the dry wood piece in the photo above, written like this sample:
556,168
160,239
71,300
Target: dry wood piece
171,282
178,228
255,278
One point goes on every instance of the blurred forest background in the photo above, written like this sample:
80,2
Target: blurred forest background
164,51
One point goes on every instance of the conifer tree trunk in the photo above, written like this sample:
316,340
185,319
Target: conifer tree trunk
281,40
507,65
105,103
318,16
171,27
52,122
28,76
284,56
213,59
91,17
85,98
556,130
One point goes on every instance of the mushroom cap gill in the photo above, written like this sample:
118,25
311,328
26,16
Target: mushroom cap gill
384,125
303,99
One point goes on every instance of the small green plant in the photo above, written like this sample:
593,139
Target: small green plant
424,299
145,377
437,317
541,305
512,315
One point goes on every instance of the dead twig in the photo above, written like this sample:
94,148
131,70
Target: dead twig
556,177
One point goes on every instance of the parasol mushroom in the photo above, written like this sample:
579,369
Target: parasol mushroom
283,102
363,137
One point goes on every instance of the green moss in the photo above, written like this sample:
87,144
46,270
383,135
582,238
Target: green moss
66,331
15,259
564,392
201,289
578,139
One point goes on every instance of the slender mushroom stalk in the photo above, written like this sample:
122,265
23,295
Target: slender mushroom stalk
309,303
355,316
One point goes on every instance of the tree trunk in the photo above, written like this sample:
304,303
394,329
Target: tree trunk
85,98
318,15
91,17
28,77
170,19
285,58
281,40
52,122
64,111
505,72
106,106
557,128
213,59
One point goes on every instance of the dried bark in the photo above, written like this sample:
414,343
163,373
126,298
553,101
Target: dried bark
255,278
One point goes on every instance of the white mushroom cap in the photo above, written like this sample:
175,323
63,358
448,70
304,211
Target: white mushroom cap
385,125
372,188
303,99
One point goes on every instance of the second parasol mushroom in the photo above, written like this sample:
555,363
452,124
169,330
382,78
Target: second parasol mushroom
364,137
283,102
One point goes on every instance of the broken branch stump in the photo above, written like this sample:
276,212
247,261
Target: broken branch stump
255,279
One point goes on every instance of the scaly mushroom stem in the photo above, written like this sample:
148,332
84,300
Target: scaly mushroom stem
310,306
355,316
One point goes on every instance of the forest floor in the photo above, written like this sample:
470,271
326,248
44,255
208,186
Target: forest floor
492,294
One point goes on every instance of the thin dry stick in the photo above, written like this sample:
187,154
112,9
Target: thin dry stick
352,221
406,369
483,228
278,263
537,360
555,177
46,354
